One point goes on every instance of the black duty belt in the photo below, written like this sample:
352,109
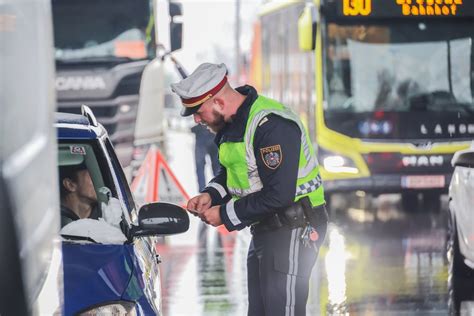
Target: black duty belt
270,223
297,215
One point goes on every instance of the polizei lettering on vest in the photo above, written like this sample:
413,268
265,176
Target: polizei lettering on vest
80,83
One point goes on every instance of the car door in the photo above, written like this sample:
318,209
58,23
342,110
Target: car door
143,249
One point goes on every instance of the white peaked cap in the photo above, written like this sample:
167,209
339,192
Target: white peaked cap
200,86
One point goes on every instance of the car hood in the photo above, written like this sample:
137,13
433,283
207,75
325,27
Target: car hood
94,274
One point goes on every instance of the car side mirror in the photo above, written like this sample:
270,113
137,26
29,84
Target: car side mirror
161,219
463,158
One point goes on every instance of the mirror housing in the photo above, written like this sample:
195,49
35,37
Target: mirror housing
307,25
176,35
161,219
176,26
463,158
175,9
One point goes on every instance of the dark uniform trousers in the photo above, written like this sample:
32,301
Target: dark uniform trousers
279,268
204,146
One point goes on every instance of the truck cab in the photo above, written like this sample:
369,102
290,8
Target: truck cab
104,62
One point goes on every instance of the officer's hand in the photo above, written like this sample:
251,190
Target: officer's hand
212,216
199,203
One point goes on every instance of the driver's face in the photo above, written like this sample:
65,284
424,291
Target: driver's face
85,187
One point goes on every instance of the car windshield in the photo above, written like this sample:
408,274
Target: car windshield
398,67
95,30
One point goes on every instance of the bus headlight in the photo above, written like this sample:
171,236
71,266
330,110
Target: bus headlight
337,163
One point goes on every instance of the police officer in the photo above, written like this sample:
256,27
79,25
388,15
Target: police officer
269,180
204,146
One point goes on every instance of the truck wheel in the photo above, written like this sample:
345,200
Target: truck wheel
410,201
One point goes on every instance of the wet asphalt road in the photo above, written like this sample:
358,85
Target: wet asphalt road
377,259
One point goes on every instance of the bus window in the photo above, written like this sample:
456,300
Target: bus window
370,67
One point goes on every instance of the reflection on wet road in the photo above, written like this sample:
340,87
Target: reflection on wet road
376,259
382,259
208,278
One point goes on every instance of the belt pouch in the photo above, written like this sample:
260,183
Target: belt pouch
293,216
317,216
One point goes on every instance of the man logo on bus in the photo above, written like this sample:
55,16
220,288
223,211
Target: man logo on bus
357,7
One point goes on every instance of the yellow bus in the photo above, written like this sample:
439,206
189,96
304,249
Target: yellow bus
385,87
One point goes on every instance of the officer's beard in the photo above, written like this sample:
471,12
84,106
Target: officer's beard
217,123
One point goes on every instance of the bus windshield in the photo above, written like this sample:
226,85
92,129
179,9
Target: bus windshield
400,67
103,30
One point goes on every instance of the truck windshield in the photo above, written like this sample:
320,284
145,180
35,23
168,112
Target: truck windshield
96,30
400,67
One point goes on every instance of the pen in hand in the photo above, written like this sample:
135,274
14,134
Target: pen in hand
194,212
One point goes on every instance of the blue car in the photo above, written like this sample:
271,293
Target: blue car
109,258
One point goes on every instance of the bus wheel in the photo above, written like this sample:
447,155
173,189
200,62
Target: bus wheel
432,201
410,201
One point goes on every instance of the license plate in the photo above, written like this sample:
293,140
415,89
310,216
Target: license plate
423,182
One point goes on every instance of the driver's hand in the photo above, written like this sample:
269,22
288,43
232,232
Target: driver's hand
199,203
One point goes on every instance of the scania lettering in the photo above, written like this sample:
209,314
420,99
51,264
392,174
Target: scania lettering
385,87
102,49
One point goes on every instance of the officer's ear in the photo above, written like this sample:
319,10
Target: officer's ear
219,103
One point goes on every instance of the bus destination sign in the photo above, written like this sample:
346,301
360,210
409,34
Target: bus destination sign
404,8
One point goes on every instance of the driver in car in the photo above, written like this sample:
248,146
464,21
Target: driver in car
78,196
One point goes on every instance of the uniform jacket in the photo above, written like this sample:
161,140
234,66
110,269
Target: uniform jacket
279,184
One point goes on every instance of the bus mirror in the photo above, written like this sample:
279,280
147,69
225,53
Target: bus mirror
307,28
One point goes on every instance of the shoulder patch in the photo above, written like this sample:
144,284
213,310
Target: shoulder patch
271,156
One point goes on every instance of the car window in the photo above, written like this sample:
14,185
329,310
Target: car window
83,179
121,177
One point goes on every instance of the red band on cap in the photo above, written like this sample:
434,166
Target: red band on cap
191,102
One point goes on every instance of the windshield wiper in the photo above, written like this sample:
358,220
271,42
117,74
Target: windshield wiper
439,100
97,59
466,107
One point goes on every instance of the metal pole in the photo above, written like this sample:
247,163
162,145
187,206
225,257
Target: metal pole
237,41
